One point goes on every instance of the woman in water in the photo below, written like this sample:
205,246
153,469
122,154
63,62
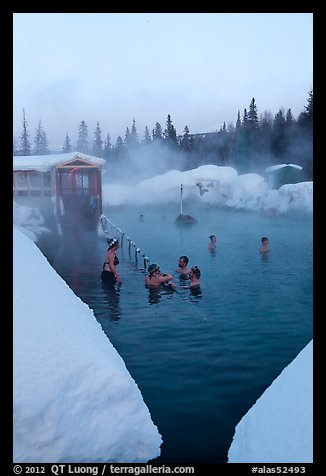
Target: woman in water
156,278
109,273
194,276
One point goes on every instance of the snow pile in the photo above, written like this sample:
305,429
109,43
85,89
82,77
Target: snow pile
29,221
215,185
279,426
74,399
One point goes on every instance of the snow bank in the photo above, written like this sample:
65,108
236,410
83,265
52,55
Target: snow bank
74,399
279,426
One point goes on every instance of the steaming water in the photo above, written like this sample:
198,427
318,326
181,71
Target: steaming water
201,361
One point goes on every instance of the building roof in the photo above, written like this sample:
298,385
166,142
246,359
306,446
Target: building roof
44,163
273,168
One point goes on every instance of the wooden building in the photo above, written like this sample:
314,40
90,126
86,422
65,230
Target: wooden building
66,188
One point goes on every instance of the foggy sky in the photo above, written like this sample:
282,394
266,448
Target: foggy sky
201,68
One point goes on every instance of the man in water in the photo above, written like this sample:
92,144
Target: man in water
264,245
182,266
212,243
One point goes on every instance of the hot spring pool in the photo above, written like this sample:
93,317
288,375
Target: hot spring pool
201,361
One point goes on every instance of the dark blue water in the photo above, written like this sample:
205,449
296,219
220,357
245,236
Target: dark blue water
201,361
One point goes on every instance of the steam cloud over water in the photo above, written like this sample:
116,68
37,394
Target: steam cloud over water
208,185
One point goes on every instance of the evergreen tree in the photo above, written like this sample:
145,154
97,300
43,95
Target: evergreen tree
41,142
305,139
237,139
278,142
133,142
253,121
243,143
25,146
238,123
127,139
147,137
289,120
170,133
107,146
82,143
253,126
186,141
305,119
222,145
119,147
245,120
98,143
67,145
265,137
157,133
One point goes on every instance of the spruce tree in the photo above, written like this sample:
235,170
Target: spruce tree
253,121
67,145
170,133
82,143
133,135
305,119
278,136
40,140
107,146
119,147
98,143
265,137
147,137
238,123
127,139
157,133
186,141
25,146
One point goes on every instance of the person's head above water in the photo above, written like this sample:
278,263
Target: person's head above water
152,268
196,271
183,261
112,242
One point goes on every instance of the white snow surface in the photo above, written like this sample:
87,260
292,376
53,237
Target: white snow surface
44,163
281,166
74,399
278,428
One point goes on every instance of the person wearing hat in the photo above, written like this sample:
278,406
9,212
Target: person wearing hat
109,273
156,278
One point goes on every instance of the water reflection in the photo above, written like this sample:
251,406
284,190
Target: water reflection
155,293
264,257
195,293
113,298
183,279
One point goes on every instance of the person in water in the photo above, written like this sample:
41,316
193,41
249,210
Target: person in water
109,273
156,278
182,265
194,276
212,242
264,245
